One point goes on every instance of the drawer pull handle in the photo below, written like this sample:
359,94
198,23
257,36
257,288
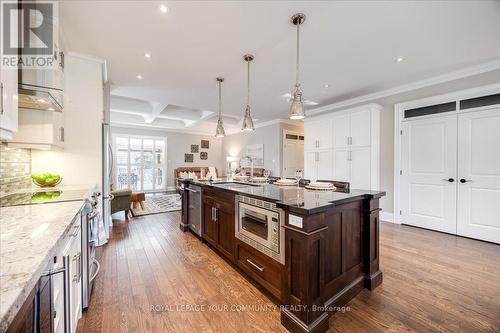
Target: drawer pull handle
255,265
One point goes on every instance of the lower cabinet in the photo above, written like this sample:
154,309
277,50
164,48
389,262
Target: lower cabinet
218,219
54,305
265,270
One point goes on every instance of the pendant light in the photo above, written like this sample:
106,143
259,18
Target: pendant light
219,132
247,121
297,107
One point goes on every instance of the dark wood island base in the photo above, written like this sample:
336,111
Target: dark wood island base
331,248
329,260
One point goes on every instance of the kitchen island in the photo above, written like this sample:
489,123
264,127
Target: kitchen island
312,252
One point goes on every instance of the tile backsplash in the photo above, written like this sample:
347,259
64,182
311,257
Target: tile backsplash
15,169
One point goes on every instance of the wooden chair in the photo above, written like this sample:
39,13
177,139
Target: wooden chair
341,186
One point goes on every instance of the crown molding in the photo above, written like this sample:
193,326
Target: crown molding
455,75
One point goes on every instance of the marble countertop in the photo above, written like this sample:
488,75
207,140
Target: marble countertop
293,198
30,235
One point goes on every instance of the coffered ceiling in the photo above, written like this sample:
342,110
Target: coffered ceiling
348,49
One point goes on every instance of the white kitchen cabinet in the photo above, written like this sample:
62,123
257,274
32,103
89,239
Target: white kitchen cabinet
75,275
360,176
318,135
317,165
341,165
39,130
8,100
354,153
340,130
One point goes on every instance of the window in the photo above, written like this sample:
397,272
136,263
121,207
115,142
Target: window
140,163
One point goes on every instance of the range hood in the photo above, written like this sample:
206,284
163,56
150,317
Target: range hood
39,98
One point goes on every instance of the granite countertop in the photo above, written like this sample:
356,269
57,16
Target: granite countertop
30,235
292,198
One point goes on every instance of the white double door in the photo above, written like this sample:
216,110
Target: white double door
451,174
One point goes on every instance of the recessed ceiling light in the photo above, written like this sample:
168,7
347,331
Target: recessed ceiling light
326,85
164,8
41,100
147,55
400,59
139,77
50,109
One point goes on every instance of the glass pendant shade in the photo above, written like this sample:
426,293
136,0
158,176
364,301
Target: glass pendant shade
247,121
297,107
219,131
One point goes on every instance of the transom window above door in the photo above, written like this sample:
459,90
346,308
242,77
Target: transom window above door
140,163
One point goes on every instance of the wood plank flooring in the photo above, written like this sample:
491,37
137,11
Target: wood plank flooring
433,282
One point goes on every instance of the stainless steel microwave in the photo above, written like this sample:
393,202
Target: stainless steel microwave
258,223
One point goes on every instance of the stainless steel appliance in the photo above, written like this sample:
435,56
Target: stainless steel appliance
194,211
258,223
90,234
107,160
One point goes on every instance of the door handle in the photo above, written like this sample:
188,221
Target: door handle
465,180
317,143
216,210
255,265
451,180
60,137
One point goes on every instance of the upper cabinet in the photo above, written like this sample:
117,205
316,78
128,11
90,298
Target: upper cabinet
344,146
318,134
8,102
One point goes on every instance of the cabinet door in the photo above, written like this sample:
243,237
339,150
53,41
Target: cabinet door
360,169
318,134
45,305
210,229
225,221
325,165
9,100
75,275
310,166
360,128
341,165
340,131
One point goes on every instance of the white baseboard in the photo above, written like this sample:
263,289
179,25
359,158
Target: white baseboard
387,217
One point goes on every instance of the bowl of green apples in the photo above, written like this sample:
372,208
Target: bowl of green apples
46,179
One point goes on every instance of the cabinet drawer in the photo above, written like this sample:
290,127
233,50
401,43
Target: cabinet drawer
219,199
266,271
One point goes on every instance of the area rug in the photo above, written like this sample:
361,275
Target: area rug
156,204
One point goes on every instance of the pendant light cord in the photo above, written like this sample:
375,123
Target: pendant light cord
220,100
248,83
298,55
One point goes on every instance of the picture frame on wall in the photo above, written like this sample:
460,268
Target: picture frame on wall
205,144
195,149
203,155
256,152
188,158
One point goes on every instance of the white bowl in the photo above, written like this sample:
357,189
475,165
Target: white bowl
320,185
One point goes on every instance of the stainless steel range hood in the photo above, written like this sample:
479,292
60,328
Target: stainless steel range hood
39,98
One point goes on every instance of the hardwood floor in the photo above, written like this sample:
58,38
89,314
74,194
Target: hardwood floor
433,282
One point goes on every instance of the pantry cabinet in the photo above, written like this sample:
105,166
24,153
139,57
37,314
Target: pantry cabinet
348,148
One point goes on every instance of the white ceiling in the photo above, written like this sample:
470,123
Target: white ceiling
349,45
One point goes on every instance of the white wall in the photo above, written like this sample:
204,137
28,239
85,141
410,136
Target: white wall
177,145
270,136
81,160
